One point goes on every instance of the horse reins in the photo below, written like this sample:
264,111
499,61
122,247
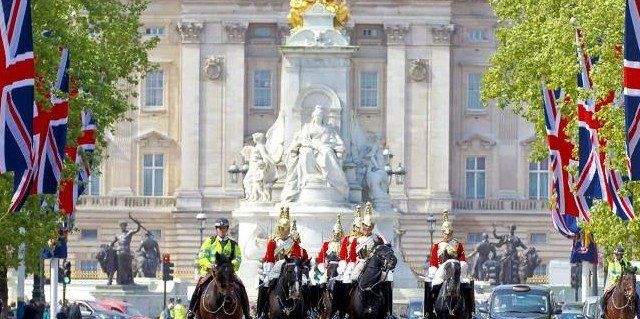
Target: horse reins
224,301
288,310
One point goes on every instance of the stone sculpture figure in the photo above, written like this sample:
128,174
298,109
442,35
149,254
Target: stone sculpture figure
149,253
122,246
262,172
484,251
509,261
315,159
376,178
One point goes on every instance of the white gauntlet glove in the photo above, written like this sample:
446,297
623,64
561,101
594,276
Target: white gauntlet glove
342,265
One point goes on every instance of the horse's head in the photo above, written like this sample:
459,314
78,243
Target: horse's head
628,282
451,277
223,273
333,262
291,276
384,257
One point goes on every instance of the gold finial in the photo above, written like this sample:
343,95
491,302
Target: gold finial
294,231
368,220
283,224
337,228
357,222
337,7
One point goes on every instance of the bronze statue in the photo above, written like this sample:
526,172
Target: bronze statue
530,261
108,260
147,257
509,261
483,250
121,245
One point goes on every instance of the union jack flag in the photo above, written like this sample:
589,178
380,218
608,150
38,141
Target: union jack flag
16,100
71,189
50,134
632,85
564,210
592,182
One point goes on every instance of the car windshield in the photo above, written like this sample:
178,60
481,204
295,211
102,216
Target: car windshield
97,306
415,310
519,302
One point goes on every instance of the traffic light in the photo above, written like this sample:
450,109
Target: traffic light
576,275
67,272
167,267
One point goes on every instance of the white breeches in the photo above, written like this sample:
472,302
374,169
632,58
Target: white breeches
359,267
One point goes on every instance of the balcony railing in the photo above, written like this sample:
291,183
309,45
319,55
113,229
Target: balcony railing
501,204
129,201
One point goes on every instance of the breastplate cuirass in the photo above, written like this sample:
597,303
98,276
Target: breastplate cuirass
283,248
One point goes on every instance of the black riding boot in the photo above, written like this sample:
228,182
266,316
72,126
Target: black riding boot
434,294
244,299
637,305
389,287
195,297
603,305
262,302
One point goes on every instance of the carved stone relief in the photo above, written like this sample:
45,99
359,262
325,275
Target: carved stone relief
396,33
213,67
235,32
418,69
442,33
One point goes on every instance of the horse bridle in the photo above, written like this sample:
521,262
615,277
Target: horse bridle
629,295
225,297
383,269
285,309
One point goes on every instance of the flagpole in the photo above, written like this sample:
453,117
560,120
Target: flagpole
21,275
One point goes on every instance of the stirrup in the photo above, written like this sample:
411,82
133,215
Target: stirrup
191,314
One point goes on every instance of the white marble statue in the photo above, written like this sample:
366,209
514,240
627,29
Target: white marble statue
315,158
376,178
262,172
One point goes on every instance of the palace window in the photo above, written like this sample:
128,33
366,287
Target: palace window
539,180
88,265
89,234
477,35
541,270
153,170
474,238
369,89
473,92
154,89
92,187
538,238
154,31
262,87
475,177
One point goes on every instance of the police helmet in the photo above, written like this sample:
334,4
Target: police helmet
619,250
222,222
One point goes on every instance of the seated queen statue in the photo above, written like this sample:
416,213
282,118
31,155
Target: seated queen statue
315,158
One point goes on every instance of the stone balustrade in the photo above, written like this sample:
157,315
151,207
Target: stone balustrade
500,204
128,201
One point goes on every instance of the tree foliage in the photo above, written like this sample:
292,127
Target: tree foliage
537,45
108,55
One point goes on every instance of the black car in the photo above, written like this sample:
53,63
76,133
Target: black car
521,301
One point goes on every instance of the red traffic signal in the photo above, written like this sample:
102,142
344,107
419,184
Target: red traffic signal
166,258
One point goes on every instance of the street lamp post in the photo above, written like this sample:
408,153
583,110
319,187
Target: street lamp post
399,171
202,218
431,226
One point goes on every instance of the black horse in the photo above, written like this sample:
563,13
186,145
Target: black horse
287,298
451,302
334,301
107,258
368,298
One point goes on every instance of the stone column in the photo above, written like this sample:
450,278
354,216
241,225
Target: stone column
439,122
189,197
233,107
395,98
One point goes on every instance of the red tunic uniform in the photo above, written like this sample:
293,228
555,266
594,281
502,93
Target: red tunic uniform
345,249
328,247
453,246
278,248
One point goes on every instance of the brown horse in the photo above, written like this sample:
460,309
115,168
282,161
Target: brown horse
334,300
221,298
622,301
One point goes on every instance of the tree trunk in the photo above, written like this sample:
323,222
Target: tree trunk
4,292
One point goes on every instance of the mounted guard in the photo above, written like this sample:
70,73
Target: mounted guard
282,244
327,264
347,260
447,248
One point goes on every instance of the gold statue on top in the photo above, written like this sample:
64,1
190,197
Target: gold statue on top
338,7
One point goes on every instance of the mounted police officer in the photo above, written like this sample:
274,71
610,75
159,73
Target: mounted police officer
615,268
282,244
222,245
363,248
447,248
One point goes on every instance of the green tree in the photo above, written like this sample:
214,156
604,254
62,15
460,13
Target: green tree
537,45
108,56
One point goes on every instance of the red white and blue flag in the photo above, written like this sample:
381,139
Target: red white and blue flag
80,155
17,97
632,85
564,212
50,134
592,182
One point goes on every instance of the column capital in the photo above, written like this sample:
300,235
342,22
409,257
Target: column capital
190,31
396,34
235,31
442,33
